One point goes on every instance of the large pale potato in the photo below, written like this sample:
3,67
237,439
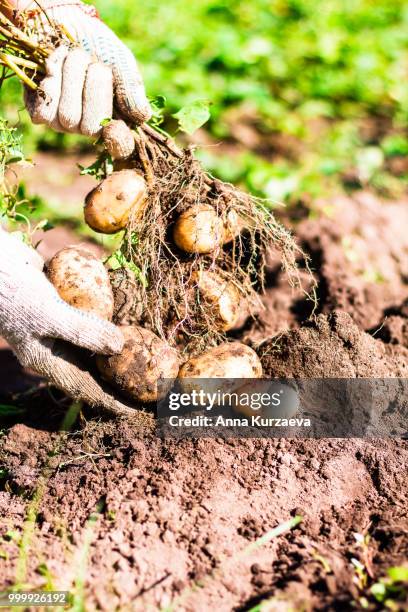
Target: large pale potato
199,230
230,361
145,369
109,206
82,281
221,297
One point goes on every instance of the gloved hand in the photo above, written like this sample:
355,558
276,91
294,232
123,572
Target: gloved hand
33,316
77,92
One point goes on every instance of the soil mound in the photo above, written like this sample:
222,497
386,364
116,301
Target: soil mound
359,252
332,347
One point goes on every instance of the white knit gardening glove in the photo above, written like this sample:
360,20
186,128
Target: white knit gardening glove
81,84
33,317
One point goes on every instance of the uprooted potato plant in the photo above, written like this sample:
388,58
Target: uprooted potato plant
197,245
191,261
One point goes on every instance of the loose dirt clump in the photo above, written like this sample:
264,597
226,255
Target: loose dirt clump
395,327
332,347
360,248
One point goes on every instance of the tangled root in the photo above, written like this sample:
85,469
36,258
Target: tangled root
166,298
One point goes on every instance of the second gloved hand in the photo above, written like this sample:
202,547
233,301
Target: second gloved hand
33,317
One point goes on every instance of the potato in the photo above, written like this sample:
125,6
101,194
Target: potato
145,360
118,139
228,360
199,230
109,206
220,296
250,305
234,224
82,281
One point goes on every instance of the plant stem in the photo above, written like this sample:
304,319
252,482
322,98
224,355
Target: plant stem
10,63
11,31
20,61
166,141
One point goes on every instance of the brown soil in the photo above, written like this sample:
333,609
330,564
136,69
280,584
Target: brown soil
163,521
359,250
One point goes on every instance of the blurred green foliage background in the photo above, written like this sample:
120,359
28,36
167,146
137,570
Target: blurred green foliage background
307,97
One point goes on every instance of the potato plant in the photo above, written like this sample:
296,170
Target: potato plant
198,246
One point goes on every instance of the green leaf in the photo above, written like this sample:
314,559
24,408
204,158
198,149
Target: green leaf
379,590
398,574
117,260
42,569
99,169
159,102
45,225
193,116
15,157
106,121
395,144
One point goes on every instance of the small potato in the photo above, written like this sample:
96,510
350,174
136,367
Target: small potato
144,361
221,297
119,140
82,281
228,360
109,206
199,230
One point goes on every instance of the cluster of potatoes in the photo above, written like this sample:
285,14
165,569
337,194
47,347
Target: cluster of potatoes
122,197
140,372
145,369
